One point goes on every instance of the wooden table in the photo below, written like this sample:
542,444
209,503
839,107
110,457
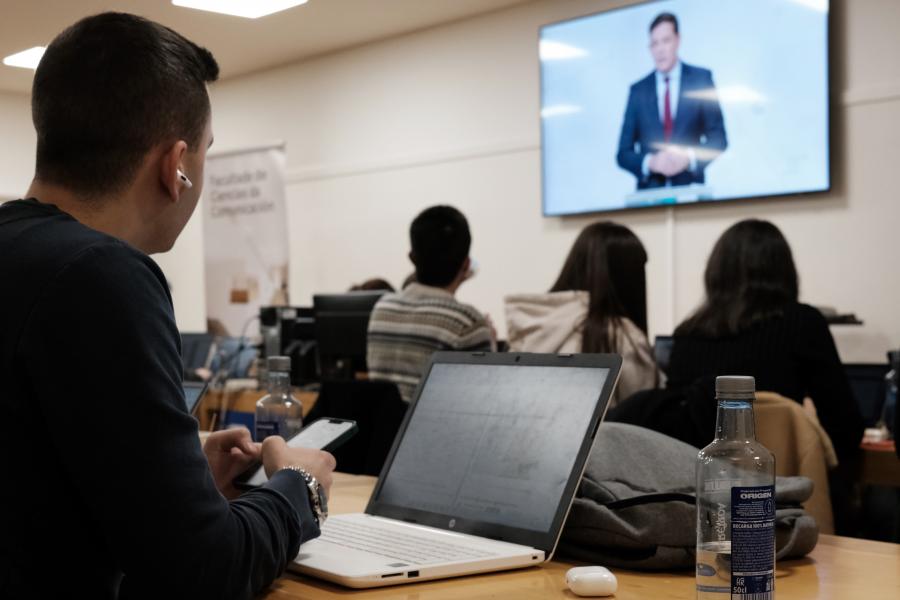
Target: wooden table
880,464
217,402
839,568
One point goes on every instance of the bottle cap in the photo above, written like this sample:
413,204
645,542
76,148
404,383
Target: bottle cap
735,385
282,364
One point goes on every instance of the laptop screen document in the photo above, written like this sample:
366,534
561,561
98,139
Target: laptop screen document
504,461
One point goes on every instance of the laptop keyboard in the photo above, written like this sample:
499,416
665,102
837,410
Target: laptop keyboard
399,546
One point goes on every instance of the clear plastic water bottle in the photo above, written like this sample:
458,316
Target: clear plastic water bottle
278,412
735,502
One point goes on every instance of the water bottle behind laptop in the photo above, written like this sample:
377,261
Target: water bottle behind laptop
278,412
735,502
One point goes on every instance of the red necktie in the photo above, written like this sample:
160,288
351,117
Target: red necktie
667,115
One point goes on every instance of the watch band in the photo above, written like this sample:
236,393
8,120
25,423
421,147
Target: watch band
317,500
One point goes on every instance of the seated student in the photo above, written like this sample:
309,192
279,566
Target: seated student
372,285
406,328
598,304
752,324
109,493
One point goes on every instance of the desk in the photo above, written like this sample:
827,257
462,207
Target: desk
880,464
838,568
216,402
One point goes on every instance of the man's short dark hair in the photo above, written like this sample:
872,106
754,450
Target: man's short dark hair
109,89
665,17
440,241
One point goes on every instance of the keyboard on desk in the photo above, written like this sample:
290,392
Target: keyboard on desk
397,545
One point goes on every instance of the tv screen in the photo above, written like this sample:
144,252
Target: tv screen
682,101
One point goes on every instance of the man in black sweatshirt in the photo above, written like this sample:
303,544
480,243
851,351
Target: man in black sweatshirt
107,491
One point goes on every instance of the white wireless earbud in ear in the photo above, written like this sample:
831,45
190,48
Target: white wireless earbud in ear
187,182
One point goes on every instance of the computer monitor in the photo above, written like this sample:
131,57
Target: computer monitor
277,325
867,382
193,394
749,118
196,350
662,350
290,331
297,330
341,325
298,341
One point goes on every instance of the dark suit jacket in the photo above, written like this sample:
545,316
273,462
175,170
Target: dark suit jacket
698,124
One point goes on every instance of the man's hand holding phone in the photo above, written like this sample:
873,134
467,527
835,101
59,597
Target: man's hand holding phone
229,453
308,449
277,455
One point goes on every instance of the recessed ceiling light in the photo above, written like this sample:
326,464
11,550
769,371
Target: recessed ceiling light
26,59
241,8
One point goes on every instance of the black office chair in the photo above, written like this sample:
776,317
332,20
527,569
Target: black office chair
867,382
687,414
378,410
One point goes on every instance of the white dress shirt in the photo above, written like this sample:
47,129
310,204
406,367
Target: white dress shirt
674,76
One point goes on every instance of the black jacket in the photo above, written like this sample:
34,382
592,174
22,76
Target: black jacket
107,492
793,355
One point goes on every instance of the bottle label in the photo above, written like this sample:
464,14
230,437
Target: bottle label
753,543
266,428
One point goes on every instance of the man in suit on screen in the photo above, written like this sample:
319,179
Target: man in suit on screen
673,126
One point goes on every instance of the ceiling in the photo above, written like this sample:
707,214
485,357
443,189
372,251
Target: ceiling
240,45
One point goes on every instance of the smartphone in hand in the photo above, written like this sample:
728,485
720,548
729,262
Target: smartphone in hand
322,434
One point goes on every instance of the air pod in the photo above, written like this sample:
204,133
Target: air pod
187,182
591,581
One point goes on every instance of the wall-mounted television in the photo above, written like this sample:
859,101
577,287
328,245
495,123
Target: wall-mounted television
683,101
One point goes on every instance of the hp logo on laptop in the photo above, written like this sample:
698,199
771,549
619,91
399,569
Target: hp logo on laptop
452,523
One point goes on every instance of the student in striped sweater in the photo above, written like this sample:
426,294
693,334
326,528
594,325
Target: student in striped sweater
407,327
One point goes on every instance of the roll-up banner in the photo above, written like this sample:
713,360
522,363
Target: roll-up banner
245,236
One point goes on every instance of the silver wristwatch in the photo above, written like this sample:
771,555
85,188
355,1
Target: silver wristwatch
317,498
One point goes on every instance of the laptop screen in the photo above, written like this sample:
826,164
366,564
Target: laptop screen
494,443
193,392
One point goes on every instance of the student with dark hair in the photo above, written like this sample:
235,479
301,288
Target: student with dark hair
751,323
373,285
106,462
406,328
598,304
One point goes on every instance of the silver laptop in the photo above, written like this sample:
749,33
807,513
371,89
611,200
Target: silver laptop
193,394
481,475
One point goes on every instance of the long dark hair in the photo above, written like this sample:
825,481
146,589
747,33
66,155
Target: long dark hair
607,261
750,277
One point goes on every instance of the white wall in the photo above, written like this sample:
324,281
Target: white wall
17,141
376,134
379,132
450,115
